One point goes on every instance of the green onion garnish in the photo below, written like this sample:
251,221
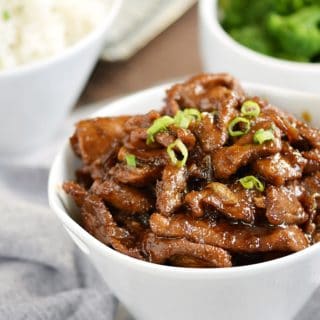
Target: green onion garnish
234,122
158,125
181,120
250,108
182,148
5,15
195,113
262,136
250,182
131,160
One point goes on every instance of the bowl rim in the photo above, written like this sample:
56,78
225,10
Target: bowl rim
208,10
170,271
67,52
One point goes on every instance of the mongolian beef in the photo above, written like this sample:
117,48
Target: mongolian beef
214,179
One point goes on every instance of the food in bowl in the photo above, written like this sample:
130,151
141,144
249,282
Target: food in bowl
283,29
215,179
36,29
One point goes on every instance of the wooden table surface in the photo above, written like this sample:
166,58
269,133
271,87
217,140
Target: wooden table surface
174,53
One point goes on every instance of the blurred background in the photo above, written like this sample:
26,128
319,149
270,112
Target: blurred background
169,52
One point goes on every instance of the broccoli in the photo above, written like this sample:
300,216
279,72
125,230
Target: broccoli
286,29
298,33
254,38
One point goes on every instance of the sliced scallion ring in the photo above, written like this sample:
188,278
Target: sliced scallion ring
234,122
181,120
131,160
250,182
262,136
195,113
178,144
250,108
158,125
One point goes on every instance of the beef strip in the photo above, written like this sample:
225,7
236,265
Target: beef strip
123,197
206,92
230,237
98,221
283,206
136,176
94,137
278,168
212,131
170,190
236,204
311,200
313,160
159,250
156,157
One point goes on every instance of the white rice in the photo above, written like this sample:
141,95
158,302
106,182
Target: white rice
32,30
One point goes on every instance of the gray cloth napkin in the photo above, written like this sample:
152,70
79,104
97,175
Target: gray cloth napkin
42,274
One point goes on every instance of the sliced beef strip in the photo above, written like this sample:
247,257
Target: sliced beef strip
206,92
136,176
311,200
75,191
160,250
226,161
98,168
141,121
165,138
212,130
238,238
311,135
155,157
285,122
170,190
94,137
313,160
283,207
236,204
278,169
123,197
99,222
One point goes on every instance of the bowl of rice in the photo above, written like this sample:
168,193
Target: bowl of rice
48,49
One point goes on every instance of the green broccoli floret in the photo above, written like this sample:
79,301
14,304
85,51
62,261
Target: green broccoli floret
297,34
239,13
254,38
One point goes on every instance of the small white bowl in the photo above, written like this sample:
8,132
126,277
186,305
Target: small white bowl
271,290
219,52
35,98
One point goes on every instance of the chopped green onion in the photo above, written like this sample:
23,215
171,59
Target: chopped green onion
193,113
181,120
158,125
250,182
262,136
131,160
182,148
250,109
5,15
234,122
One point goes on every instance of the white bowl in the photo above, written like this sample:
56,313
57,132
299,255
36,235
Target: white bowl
219,52
271,290
35,98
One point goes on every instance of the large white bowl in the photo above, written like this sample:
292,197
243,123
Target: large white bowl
35,98
219,52
271,290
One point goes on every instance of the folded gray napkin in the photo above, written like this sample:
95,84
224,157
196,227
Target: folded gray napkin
43,276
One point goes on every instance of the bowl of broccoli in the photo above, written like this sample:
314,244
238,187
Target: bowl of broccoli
274,42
